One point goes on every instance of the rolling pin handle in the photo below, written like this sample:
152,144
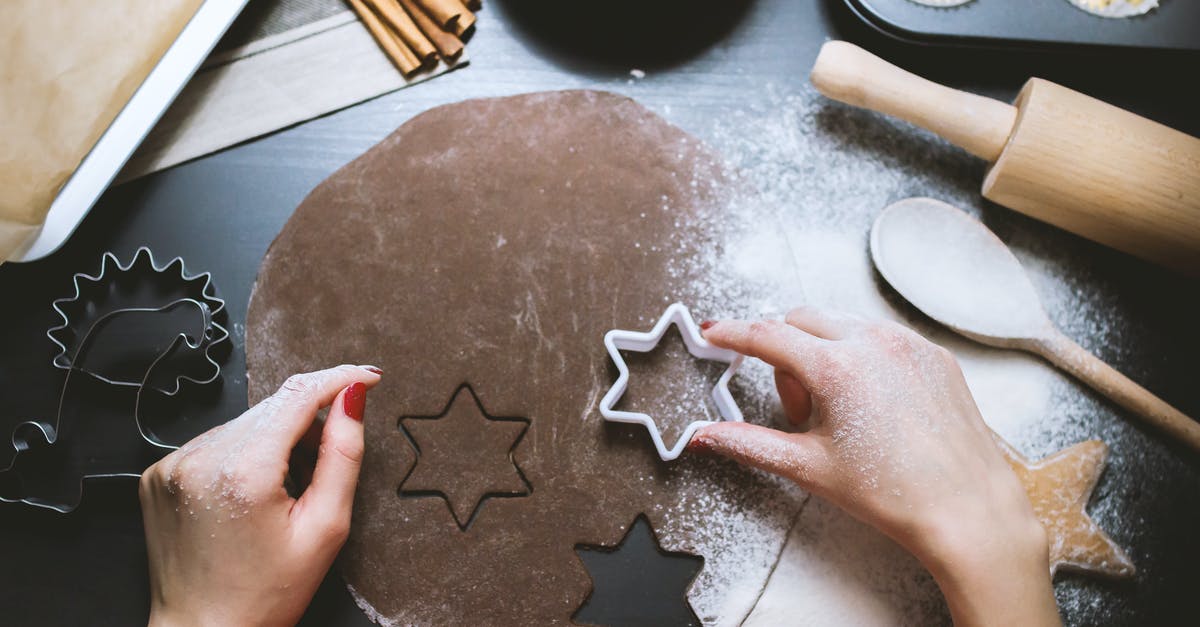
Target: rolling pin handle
847,73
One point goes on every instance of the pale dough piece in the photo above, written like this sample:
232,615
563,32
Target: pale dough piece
1059,487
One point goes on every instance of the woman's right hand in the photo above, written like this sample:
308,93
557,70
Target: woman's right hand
227,544
896,440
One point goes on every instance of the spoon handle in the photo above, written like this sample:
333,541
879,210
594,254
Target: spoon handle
1063,352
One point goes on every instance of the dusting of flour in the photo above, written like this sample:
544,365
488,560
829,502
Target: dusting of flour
818,175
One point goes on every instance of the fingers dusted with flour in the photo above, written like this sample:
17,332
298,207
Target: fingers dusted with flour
896,441
792,455
325,506
796,399
773,341
294,406
822,323
227,544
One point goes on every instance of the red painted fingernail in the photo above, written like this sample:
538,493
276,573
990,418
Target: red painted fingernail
707,324
374,369
354,401
698,445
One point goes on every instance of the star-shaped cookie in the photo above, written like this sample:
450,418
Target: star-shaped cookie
1059,487
628,581
464,456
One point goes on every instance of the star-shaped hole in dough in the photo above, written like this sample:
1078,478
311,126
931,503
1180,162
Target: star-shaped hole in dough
464,456
1059,488
636,582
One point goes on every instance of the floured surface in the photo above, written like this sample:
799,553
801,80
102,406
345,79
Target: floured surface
493,243
849,575
822,172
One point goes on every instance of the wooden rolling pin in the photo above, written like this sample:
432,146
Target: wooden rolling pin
1057,155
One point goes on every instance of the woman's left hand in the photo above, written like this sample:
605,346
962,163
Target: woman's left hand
227,544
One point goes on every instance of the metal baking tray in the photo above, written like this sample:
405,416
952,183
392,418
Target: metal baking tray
1174,25
131,125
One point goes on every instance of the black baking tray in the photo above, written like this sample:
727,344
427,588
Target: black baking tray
1174,25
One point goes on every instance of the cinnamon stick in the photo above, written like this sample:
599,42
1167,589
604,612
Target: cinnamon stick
464,21
396,50
449,14
403,26
449,46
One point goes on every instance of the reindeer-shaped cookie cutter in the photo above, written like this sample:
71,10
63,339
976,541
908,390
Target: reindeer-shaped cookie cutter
190,294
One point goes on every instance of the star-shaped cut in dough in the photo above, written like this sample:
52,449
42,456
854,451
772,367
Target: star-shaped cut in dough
1059,487
637,583
464,456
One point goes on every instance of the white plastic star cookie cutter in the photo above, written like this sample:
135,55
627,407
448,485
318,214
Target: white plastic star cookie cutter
617,340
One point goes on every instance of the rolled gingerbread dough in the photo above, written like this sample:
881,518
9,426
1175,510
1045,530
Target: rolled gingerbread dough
492,243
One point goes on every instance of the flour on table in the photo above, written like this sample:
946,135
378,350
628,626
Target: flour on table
820,174
849,575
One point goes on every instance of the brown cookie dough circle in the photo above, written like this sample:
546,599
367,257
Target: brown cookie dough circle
492,243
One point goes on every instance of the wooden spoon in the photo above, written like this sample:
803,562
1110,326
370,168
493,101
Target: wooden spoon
956,271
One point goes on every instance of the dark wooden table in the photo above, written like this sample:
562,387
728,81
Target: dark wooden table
702,61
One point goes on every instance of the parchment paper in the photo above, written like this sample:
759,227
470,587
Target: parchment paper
67,68
272,82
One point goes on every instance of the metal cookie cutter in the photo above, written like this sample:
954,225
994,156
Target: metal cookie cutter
617,340
140,285
138,325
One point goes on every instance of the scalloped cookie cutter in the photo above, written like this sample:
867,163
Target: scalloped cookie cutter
169,288
142,268
617,340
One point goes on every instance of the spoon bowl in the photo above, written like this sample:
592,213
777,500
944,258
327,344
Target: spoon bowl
956,271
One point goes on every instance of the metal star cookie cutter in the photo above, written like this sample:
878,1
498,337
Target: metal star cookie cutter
132,358
617,340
